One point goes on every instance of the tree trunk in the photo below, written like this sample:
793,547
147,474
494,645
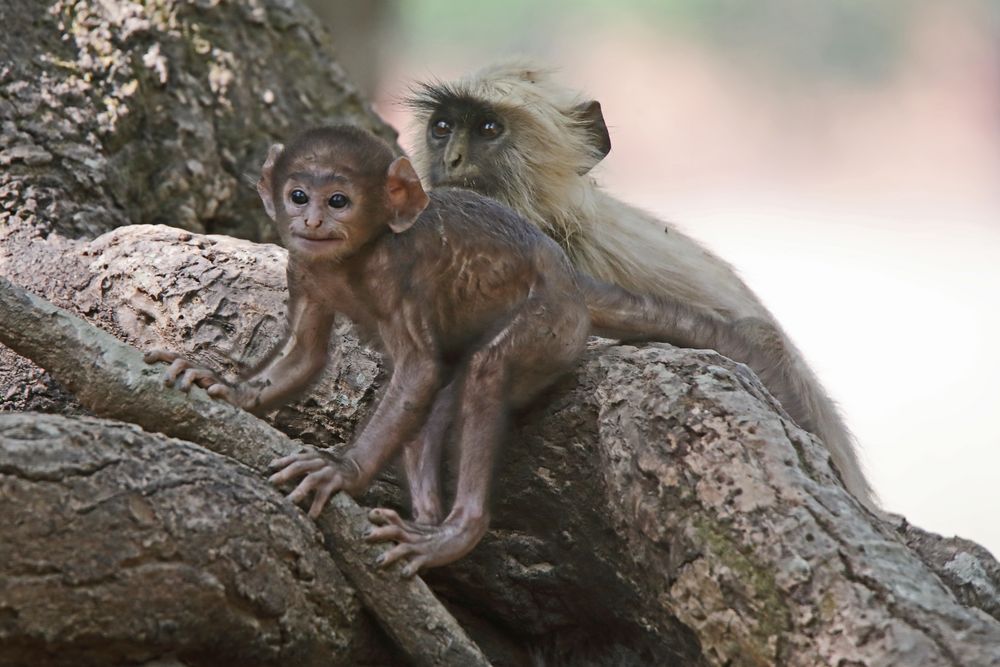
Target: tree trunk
656,507
131,546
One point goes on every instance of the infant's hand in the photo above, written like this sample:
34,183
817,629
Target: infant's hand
183,374
323,473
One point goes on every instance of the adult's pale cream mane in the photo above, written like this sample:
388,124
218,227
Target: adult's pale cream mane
539,173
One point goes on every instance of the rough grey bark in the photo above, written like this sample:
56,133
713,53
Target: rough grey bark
119,545
656,506
121,111
143,112
115,382
969,570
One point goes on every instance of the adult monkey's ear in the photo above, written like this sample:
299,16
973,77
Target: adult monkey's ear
591,123
265,184
405,194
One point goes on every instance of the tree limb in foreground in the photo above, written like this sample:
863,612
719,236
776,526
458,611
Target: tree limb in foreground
111,379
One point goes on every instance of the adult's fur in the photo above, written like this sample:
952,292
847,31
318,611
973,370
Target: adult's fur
554,138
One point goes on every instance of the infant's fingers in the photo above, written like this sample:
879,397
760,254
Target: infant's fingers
220,391
314,481
207,379
178,366
323,494
155,355
383,516
401,550
196,376
387,534
414,566
295,470
291,458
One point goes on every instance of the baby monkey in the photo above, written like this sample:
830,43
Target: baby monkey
475,309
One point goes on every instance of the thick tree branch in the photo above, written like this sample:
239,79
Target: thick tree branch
656,507
111,379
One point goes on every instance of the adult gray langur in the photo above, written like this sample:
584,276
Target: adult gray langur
509,131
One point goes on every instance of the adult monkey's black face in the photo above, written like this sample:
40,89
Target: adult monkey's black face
468,142
509,134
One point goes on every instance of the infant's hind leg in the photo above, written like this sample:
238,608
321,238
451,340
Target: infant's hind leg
422,459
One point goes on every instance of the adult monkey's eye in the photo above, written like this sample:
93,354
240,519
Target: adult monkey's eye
441,128
298,197
339,201
490,129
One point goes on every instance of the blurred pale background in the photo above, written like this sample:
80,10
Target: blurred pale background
843,155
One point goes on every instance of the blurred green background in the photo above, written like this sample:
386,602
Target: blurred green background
858,39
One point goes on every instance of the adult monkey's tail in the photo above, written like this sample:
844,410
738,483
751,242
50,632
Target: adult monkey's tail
619,313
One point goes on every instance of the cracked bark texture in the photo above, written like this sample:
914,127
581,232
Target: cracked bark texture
155,111
126,546
115,382
115,112
656,507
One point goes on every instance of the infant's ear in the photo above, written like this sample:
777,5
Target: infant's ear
406,195
265,184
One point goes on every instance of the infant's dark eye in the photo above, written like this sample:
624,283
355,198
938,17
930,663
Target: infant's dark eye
490,129
298,197
441,128
339,201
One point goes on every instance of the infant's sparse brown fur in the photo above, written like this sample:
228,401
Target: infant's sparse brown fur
476,310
